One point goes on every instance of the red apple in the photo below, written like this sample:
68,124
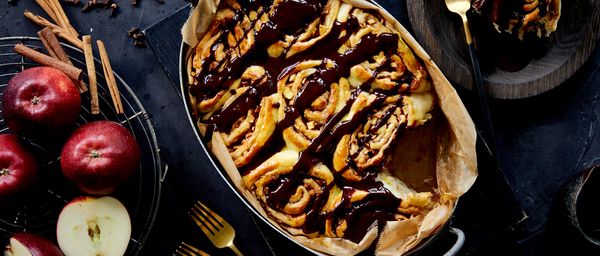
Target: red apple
99,156
18,169
26,244
89,226
40,101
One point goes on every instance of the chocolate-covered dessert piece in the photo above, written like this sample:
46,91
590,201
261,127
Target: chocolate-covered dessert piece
521,17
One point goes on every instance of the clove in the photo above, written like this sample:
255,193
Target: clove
132,31
140,44
72,2
113,10
87,7
138,36
91,4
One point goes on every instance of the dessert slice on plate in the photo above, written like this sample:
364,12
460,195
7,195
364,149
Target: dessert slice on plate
521,17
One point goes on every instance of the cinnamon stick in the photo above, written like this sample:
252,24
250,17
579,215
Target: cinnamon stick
43,59
63,21
110,78
91,71
46,35
48,9
60,32
47,44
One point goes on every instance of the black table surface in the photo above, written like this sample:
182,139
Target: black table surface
542,142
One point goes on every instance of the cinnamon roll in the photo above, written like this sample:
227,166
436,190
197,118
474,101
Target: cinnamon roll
308,97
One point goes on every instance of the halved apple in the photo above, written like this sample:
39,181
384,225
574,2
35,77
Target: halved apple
26,244
93,226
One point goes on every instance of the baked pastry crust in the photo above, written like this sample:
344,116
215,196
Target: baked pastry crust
308,97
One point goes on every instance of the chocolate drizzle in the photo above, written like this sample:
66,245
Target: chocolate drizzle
290,17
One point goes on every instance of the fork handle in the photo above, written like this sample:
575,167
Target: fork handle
479,88
483,101
235,250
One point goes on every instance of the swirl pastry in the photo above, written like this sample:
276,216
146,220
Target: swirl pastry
308,97
521,17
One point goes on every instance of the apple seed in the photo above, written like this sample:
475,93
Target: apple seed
4,171
93,231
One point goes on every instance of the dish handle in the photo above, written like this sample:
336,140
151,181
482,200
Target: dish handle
460,241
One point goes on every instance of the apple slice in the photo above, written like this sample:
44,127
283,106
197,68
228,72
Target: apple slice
26,244
93,226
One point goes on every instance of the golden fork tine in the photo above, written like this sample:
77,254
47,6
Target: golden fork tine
178,252
196,250
218,230
213,214
185,249
207,218
201,224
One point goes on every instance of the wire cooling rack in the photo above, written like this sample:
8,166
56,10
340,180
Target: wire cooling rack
38,212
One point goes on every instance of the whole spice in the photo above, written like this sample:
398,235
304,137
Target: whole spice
57,51
91,70
72,2
92,4
113,10
132,31
139,36
59,31
111,82
140,44
87,7
43,59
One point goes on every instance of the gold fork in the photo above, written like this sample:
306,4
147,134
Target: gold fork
218,231
187,250
461,7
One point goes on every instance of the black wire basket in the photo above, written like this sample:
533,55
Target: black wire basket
38,213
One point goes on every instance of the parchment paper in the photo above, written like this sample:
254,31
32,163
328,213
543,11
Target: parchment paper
439,157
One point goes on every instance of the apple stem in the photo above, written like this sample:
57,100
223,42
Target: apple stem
4,171
35,100
94,154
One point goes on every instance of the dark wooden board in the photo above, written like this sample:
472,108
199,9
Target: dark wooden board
440,33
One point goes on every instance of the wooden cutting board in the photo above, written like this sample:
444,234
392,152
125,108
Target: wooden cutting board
440,33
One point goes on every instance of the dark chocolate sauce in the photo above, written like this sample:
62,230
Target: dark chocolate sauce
382,120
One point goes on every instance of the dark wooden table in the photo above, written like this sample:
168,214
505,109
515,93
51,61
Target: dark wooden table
542,141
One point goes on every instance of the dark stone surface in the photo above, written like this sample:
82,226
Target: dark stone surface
542,141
